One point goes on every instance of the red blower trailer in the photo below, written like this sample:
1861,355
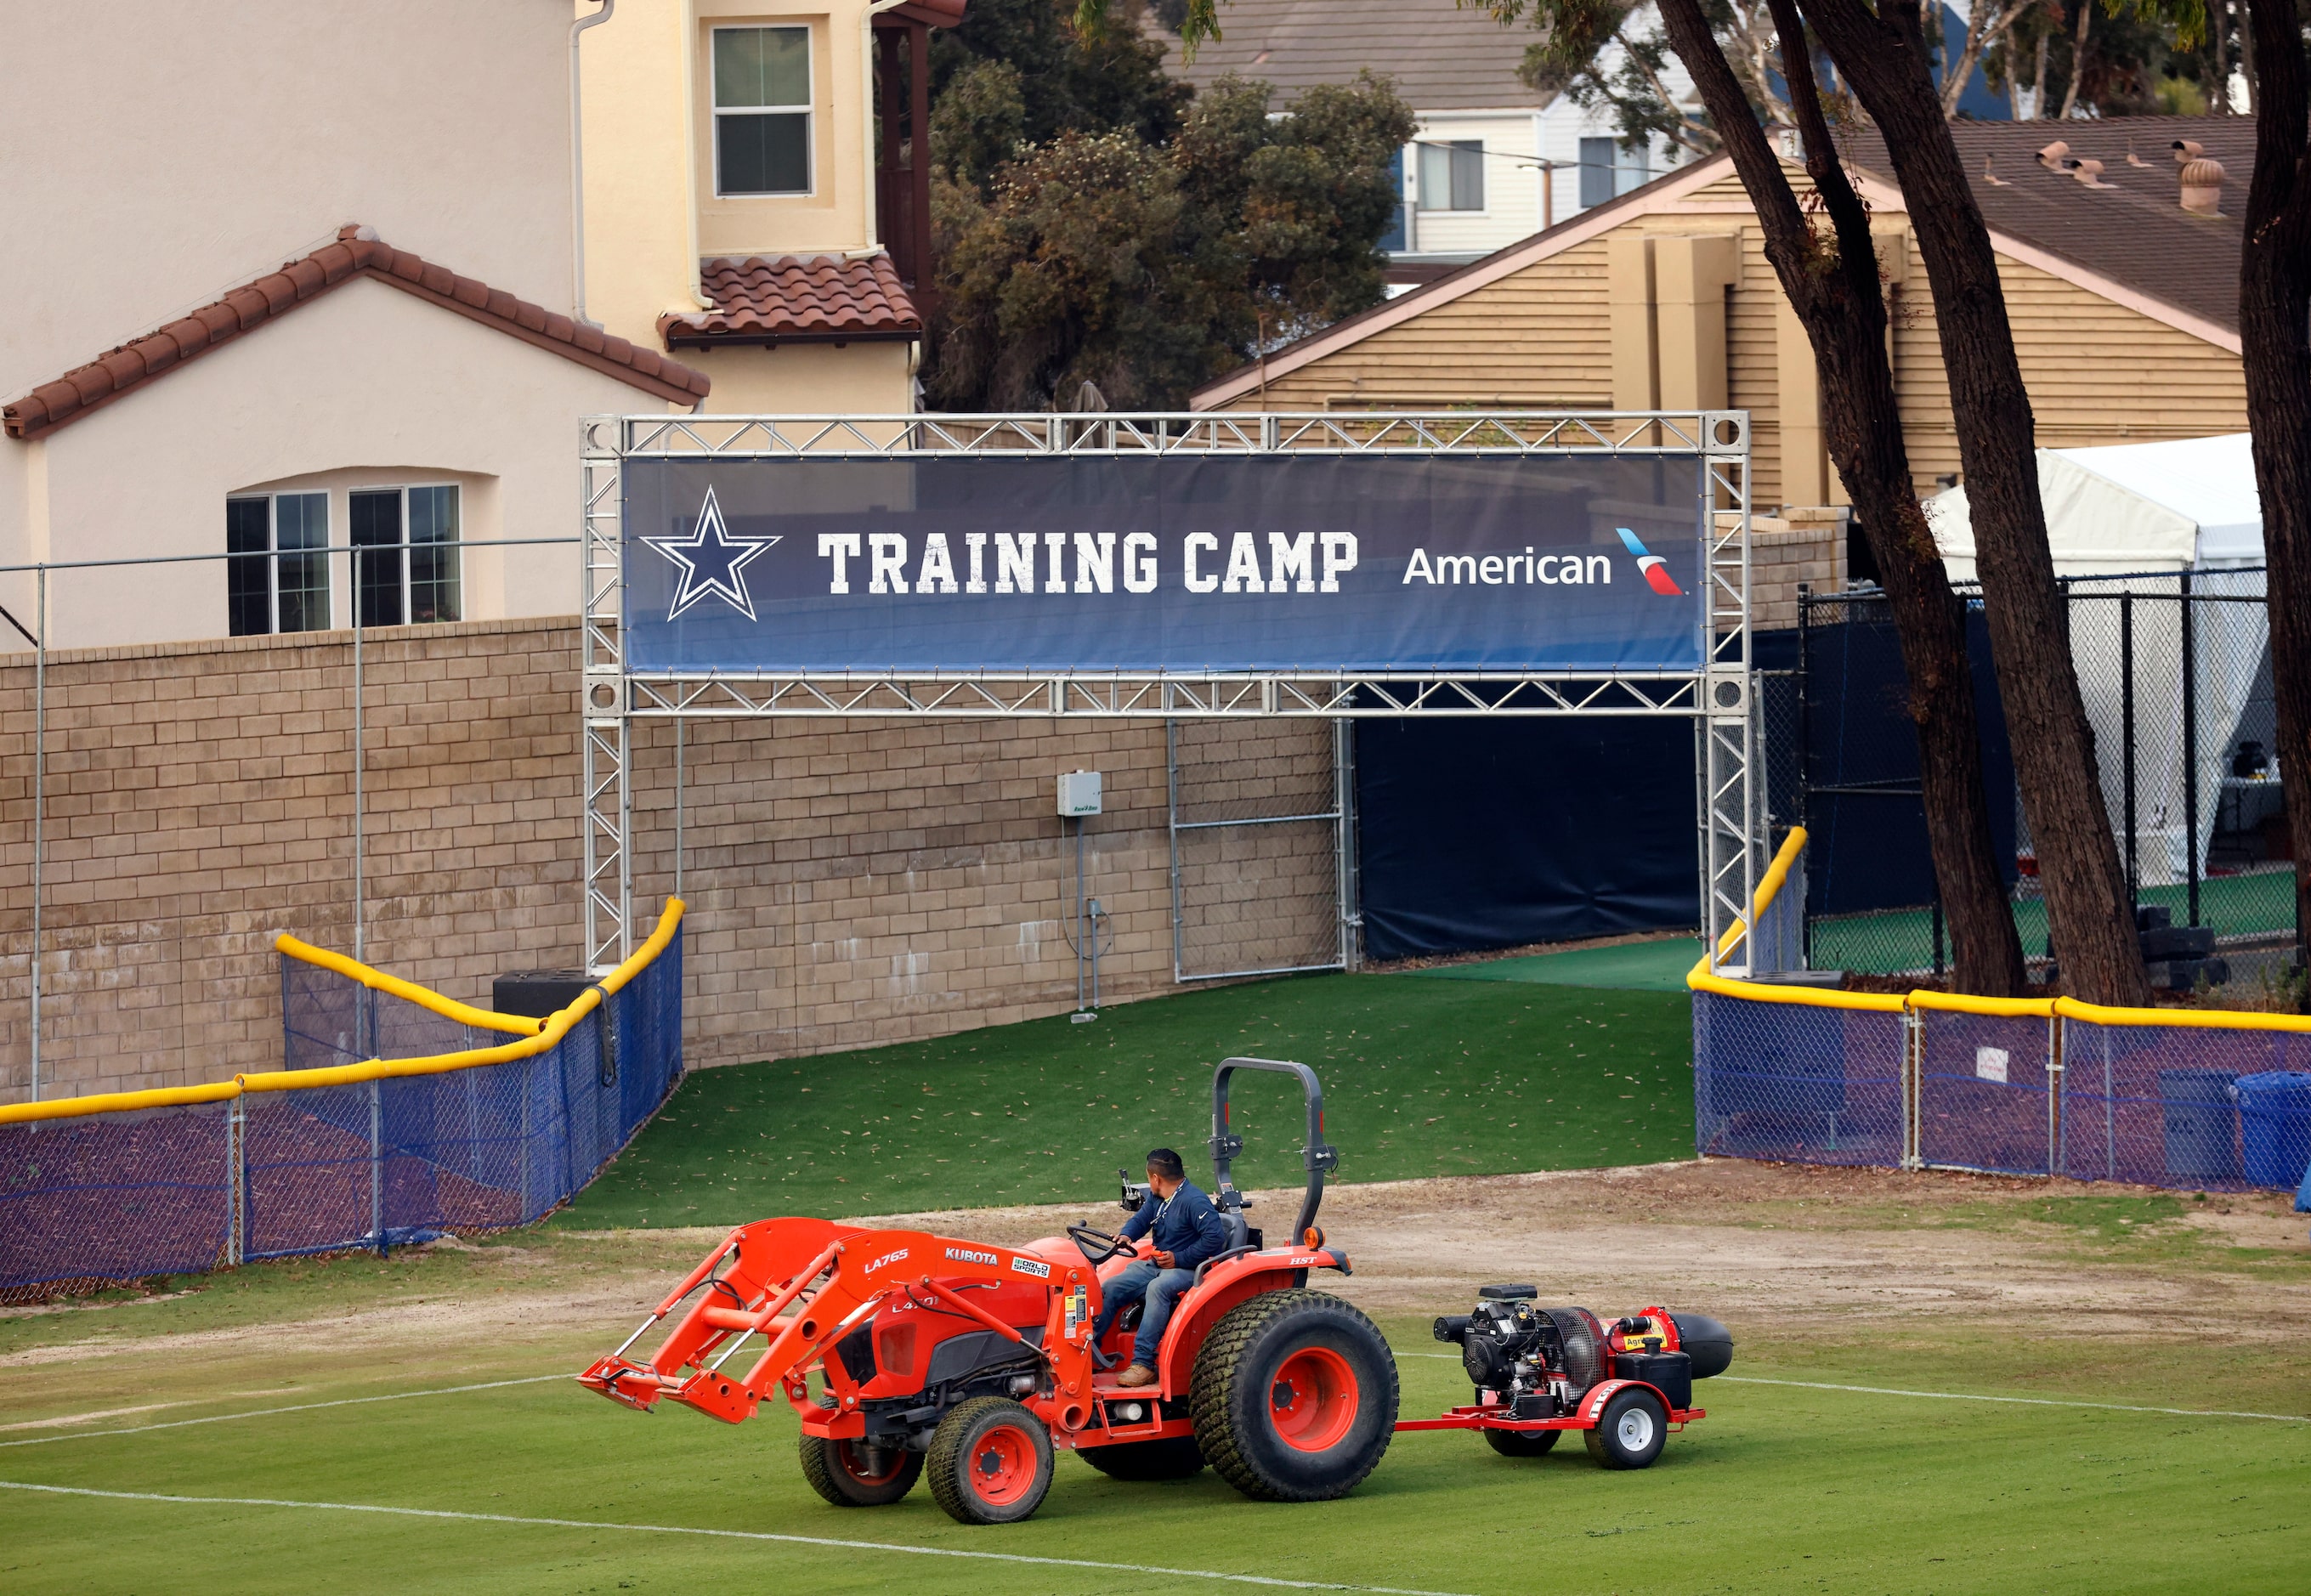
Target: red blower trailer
971,1362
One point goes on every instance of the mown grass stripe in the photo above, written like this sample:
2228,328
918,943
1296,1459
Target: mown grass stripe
817,1540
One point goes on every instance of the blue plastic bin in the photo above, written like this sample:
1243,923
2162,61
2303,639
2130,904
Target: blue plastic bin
2274,1109
2202,1124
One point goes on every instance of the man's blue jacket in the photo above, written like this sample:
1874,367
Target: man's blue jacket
1186,1225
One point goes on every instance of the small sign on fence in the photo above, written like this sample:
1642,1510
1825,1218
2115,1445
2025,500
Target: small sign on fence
1990,1064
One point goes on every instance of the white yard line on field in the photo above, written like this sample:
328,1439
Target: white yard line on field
1965,1396
818,1541
218,1418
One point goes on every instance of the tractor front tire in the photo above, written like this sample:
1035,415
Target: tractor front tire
1293,1397
850,1474
1176,1458
1629,1433
989,1463
1521,1443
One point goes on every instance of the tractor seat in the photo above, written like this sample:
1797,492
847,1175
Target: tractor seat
1239,1229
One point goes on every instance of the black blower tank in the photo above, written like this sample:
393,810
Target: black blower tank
1708,1343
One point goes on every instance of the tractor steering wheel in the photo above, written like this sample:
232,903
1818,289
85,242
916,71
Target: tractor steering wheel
1097,1246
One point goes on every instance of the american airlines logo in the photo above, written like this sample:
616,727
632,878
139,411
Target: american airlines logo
1656,569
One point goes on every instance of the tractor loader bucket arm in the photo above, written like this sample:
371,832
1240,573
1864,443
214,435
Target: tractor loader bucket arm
804,1283
1317,1155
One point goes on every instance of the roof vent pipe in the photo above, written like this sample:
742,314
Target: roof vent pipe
2051,157
578,171
2202,186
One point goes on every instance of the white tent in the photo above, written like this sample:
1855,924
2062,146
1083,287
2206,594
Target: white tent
2134,525
2189,504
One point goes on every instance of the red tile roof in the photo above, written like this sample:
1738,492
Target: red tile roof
797,299
356,253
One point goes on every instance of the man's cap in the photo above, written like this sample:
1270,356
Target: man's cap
1164,1162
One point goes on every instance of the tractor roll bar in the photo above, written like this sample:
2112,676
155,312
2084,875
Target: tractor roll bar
1318,1155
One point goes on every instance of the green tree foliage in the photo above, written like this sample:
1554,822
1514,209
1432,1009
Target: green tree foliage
1066,79
1147,266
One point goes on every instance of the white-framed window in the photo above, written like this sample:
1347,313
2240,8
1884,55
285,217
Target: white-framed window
1609,169
281,581
762,110
404,555
1452,176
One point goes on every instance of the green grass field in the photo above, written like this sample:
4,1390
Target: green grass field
1783,1486
1422,1076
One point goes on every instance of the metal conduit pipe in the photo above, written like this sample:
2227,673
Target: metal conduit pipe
578,169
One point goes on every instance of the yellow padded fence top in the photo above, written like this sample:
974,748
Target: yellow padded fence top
1700,980
547,1032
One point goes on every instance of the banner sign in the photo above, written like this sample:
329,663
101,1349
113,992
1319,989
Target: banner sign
1311,564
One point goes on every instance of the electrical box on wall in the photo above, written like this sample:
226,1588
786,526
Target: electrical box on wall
1078,792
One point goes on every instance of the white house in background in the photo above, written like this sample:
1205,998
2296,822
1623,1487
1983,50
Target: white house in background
1494,161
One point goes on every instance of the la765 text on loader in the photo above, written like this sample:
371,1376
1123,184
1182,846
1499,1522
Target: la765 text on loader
971,1362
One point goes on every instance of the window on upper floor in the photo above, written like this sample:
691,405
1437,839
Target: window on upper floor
1452,176
280,581
405,555
762,110
1607,169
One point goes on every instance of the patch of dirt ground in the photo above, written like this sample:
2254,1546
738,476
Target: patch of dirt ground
1763,1245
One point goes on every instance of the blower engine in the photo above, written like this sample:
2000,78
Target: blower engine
1538,1363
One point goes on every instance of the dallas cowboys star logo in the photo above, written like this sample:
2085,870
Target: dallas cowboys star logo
711,562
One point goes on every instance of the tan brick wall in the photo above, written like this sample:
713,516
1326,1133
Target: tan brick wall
849,881
1784,551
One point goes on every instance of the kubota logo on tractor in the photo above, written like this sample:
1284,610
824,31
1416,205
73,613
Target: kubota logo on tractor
971,1255
886,1258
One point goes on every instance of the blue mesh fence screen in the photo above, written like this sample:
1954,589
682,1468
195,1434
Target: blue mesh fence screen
1983,1100
1796,1082
2179,1106
324,1168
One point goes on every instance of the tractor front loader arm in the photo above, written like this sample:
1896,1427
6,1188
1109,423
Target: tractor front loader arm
803,1283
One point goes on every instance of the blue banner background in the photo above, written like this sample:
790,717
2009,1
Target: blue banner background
1522,509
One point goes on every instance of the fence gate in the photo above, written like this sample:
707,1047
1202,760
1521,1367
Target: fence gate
1263,847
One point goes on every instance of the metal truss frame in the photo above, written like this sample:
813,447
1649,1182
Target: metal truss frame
1719,698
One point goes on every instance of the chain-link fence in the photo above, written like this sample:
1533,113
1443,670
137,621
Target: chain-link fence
2189,1100
2175,672
332,1154
1262,872
1798,1080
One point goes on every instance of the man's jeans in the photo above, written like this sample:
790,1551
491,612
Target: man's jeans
1159,1289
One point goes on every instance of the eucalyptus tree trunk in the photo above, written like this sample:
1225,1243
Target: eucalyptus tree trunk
1881,55
2275,341
1832,282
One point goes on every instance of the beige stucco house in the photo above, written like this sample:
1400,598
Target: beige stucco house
282,281
739,211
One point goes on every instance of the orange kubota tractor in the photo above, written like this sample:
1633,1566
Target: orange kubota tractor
971,1362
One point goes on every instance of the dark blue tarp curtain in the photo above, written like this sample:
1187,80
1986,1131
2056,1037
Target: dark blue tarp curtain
1493,833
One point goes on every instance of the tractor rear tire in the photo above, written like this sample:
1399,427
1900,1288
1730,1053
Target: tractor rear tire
989,1463
1629,1433
1521,1443
1176,1458
843,1472
1293,1397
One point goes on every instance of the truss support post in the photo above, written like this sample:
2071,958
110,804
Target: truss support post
1730,817
606,745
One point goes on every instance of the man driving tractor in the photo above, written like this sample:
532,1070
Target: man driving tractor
1187,1231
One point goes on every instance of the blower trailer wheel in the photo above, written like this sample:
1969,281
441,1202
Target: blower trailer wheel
1176,1458
1293,1397
1630,1430
1521,1443
851,1474
989,1463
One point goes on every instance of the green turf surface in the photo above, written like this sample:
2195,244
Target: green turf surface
1421,1077
1783,1486
1631,966
1898,939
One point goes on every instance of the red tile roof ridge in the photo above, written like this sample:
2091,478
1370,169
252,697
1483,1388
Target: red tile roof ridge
356,251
